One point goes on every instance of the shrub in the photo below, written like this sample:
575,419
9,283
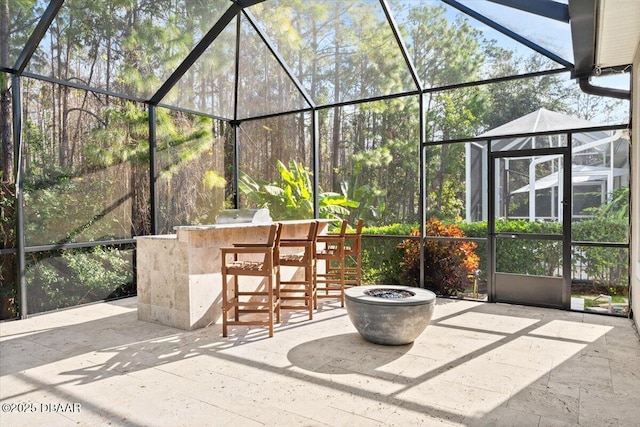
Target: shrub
8,287
447,264
70,277
381,259
384,263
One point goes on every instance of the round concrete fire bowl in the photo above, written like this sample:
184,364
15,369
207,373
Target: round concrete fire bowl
389,314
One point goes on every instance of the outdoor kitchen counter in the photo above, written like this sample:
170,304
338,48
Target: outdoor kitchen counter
179,278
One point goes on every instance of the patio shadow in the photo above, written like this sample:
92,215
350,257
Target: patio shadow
343,353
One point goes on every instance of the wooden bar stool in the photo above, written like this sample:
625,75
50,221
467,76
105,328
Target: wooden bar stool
254,299
353,256
330,250
298,293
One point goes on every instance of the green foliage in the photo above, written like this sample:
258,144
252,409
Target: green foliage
606,267
535,257
213,179
540,257
617,207
458,50
474,229
382,262
8,285
370,198
126,139
510,100
77,277
381,259
291,196
532,257
7,202
390,230
61,209
600,229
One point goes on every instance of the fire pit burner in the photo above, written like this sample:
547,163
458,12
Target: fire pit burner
389,293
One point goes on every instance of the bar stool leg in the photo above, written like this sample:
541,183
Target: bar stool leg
224,304
236,297
274,289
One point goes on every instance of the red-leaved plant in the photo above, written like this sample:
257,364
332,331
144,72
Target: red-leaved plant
448,265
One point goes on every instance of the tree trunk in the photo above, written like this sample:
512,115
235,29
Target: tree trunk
335,136
300,122
140,209
6,146
444,153
64,128
139,184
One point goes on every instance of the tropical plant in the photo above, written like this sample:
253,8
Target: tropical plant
370,198
617,206
447,264
291,196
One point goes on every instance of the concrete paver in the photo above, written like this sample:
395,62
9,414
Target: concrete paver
477,364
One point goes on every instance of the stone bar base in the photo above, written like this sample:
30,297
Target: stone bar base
179,278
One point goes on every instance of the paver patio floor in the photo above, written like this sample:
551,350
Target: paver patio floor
476,364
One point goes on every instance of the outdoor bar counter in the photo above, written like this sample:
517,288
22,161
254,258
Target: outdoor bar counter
179,278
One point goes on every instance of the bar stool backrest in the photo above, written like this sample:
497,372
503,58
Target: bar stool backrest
353,255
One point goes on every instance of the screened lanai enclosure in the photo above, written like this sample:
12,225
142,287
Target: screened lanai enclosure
127,118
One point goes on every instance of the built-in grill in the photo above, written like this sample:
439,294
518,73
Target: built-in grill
237,216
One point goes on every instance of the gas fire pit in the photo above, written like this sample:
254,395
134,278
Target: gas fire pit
389,314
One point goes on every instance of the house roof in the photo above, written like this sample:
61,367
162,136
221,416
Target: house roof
579,174
541,120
